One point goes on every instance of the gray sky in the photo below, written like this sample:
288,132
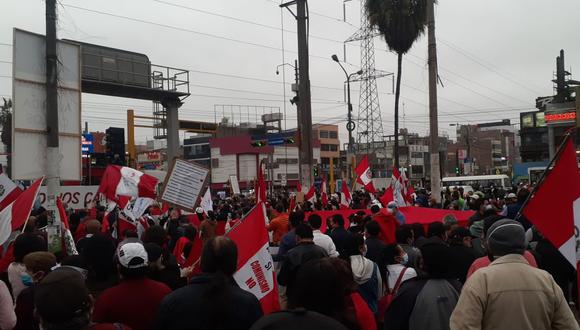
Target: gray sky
495,56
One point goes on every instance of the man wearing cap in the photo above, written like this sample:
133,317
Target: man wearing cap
393,209
135,300
509,293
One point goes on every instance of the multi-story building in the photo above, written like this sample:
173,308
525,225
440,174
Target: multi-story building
329,148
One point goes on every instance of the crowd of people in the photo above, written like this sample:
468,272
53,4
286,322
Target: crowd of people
495,271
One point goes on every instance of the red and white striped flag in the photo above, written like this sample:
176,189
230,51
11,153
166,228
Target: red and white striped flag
364,174
255,272
311,195
125,181
9,191
554,209
345,198
67,238
15,215
399,187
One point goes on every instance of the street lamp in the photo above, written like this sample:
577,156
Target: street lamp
350,123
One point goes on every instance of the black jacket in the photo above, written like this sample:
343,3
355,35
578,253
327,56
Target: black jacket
375,249
339,236
295,258
186,308
462,257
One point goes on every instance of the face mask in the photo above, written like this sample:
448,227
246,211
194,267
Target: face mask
405,259
26,279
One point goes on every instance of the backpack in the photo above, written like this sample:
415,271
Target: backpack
385,301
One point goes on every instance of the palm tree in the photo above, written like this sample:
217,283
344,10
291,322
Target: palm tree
400,22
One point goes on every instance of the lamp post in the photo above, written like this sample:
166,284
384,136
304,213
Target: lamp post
350,125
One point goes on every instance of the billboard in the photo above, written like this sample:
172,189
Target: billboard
29,149
75,197
87,144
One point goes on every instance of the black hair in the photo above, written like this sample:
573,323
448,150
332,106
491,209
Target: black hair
373,228
436,259
75,261
352,244
130,233
304,231
338,219
315,221
375,209
295,218
155,234
280,208
390,251
523,195
418,230
219,254
403,234
133,273
436,229
27,243
189,232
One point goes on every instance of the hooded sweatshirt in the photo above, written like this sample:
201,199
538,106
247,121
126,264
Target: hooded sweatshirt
366,275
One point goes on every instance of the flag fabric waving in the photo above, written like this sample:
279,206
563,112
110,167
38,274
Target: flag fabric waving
323,193
16,214
364,175
554,208
206,202
67,237
260,187
311,195
345,198
125,181
256,273
9,191
387,197
399,187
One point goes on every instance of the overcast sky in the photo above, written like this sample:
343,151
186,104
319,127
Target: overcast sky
495,56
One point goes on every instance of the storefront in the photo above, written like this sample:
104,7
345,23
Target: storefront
560,118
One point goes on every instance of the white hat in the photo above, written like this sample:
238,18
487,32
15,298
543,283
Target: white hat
132,255
199,209
512,195
475,196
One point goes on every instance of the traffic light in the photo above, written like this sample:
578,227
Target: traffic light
115,145
457,171
316,171
259,144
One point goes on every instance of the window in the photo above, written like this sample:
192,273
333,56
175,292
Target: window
527,120
288,161
333,134
325,147
324,134
215,163
333,147
417,155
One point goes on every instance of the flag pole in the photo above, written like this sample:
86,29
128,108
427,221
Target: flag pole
544,174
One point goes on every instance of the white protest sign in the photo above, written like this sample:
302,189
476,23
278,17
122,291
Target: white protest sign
235,184
184,183
75,197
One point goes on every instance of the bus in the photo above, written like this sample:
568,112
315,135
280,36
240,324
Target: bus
478,181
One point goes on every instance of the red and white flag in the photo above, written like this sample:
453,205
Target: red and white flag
399,187
292,205
126,181
260,187
345,198
15,215
311,195
323,193
554,209
364,175
67,238
9,191
255,272
387,197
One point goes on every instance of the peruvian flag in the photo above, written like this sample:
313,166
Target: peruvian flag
260,187
324,193
9,191
555,207
399,187
311,195
256,273
364,175
68,240
15,215
345,198
126,181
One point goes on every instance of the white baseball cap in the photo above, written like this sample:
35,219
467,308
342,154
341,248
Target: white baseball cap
512,195
132,255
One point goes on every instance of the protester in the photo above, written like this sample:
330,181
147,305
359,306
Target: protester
7,314
38,265
320,239
207,229
211,300
365,272
189,235
510,293
159,272
62,302
98,250
426,302
157,235
288,241
396,259
374,245
297,319
304,251
334,294
278,225
23,245
436,232
338,233
486,260
393,209
462,253
406,239
135,300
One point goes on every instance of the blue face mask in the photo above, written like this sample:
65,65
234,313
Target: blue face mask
26,279
405,259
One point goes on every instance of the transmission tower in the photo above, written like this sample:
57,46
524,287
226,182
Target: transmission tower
369,122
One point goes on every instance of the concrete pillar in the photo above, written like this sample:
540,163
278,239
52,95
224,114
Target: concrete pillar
172,118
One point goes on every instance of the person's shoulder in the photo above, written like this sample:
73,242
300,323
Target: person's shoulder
244,296
160,286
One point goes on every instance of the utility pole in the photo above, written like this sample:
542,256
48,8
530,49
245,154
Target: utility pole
52,143
304,104
433,124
